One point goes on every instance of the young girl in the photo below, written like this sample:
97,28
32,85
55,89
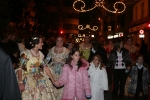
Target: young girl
98,78
139,79
75,78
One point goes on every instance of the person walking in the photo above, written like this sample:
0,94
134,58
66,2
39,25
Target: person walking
75,78
140,80
98,78
119,60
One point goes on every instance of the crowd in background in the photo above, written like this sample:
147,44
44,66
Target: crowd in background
117,56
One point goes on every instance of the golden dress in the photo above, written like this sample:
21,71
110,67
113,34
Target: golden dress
85,51
37,83
57,62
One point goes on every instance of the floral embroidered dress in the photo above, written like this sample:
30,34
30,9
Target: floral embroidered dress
133,52
37,83
57,62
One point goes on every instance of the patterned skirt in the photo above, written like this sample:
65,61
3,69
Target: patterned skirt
56,69
39,88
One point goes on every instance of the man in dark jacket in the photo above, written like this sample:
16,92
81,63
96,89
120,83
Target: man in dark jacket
97,49
9,89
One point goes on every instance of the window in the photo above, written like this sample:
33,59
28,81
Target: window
136,13
142,10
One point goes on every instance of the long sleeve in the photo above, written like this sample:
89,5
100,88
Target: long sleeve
128,60
9,89
86,83
64,76
110,60
131,72
105,79
85,63
90,71
147,77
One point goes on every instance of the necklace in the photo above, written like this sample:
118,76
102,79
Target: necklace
34,54
58,50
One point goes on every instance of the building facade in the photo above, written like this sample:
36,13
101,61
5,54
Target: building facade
117,24
140,20
69,18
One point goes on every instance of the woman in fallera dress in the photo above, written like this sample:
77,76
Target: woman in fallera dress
85,48
58,55
132,49
33,75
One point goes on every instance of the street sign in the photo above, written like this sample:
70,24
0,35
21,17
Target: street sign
141,34
141,31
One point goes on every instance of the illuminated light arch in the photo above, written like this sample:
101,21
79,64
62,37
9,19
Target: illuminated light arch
80,27
100,3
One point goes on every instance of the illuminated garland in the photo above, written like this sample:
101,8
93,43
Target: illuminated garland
99,3
80,27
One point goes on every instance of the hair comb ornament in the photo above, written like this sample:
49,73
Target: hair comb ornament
35,38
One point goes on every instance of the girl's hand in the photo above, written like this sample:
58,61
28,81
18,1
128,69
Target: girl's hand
88,96
21,87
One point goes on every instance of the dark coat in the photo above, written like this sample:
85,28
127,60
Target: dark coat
134,79
9,89
113,56
101,52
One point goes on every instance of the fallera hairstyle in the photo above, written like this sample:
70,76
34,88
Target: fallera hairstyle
117,44
72,52
100,61
34,41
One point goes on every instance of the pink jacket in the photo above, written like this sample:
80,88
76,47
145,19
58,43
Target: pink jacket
76,83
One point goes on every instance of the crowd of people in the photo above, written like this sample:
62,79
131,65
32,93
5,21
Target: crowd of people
47,68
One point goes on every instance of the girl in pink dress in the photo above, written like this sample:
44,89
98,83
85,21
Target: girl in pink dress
75,78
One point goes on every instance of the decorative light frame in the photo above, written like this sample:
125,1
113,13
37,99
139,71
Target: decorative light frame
80,27
100,3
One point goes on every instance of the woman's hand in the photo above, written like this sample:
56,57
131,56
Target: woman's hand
56,83
21,87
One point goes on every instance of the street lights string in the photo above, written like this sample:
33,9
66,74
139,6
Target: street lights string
80,27
100,3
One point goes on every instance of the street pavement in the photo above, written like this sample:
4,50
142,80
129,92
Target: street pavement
108,95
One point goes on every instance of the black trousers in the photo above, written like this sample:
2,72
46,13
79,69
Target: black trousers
119,78
138,90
